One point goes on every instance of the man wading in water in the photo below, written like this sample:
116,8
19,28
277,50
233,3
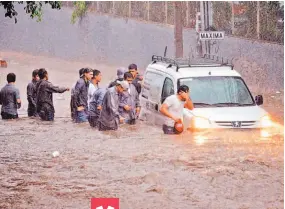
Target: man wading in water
45,89
32,94
120,77
110,118
96,99
94,84
73,108
10,99
173,106
81,96
133,69
129,104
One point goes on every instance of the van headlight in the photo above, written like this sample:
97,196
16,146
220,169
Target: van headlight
200,122
266,122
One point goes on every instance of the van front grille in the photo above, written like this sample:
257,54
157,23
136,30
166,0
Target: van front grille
235,124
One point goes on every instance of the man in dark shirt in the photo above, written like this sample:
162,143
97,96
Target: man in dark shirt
45,89
81,96
133,69
32,94
72,102
10,99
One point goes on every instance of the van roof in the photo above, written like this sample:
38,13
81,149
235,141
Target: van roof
199,70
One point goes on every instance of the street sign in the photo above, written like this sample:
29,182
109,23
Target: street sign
211,35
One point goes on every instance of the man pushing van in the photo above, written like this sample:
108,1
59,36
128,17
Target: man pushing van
172,108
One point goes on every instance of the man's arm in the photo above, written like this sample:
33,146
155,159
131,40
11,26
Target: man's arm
30,94
101,93
164,111
18,99
189,104
113,105
137,99
79,103
123,98
56,89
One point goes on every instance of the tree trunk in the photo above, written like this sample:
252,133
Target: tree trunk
257,20
178,29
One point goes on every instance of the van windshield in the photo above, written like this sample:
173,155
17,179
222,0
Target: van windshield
218,91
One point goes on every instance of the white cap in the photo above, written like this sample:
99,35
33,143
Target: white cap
124,84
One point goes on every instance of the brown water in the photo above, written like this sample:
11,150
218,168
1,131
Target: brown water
138,164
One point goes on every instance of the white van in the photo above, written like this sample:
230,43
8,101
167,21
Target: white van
220,96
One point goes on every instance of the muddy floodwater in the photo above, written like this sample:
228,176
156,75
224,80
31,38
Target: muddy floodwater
138,164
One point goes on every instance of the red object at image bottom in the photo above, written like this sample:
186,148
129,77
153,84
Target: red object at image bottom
104,203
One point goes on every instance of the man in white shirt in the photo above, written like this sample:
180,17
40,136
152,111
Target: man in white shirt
94,84
173,106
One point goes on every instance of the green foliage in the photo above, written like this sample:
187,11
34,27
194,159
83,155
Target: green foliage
33,8
80,10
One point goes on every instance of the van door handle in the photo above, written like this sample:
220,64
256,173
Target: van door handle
144,96
156,107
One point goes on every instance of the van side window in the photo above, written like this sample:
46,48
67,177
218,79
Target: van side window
168,89
152,86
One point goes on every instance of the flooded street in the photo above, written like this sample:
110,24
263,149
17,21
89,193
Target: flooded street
138,164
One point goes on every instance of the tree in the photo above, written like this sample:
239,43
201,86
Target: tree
33,8
80,10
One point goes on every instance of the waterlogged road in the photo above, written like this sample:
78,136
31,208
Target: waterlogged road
138,164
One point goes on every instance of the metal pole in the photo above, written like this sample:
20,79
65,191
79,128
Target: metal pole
233,18
187,13
113,9
166,15
257,20
148,7
130,9
208,25
98,9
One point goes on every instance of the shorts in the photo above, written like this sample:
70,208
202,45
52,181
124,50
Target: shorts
168,129
81,117
7,116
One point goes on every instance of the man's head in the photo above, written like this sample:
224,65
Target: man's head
81,71
43,74
97,76
88,73
122,86
120,73
35,75
128,77
183,92
11,78
133,69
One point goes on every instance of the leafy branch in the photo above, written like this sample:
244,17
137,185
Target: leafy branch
32,7
80,10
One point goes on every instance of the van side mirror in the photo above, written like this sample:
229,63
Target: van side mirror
259,99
